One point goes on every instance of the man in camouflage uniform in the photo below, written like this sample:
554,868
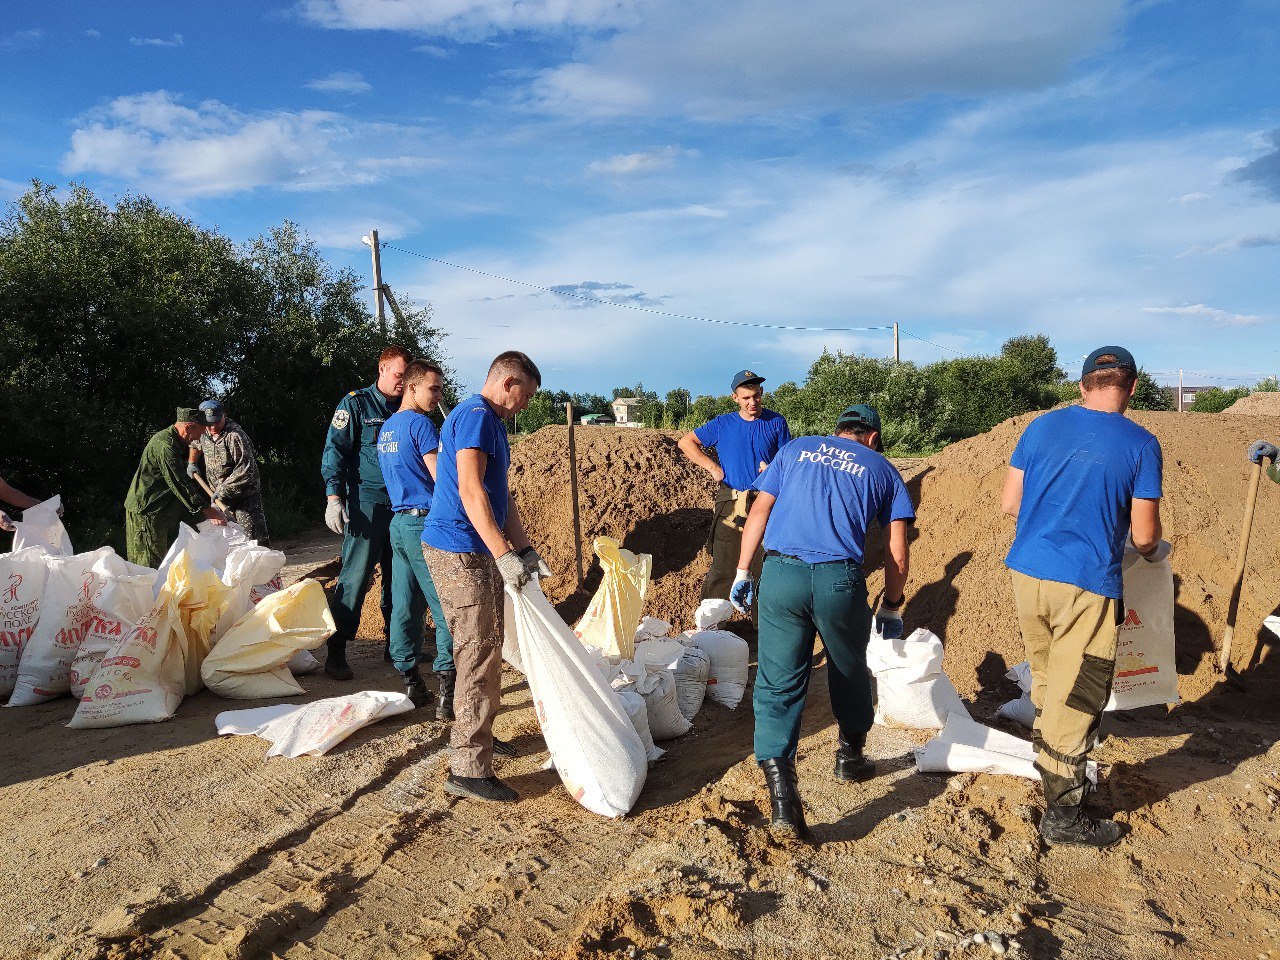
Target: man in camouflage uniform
231,470
162,495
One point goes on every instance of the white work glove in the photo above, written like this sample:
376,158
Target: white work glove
889,621
534,563
1162,551
514,572
335,516
743,591
5,522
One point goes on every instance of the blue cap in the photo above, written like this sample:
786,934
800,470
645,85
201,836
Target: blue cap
745,378
862,415
212,412
1108,358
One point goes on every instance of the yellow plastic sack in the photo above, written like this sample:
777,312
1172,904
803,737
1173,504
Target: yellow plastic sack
250,661
611,619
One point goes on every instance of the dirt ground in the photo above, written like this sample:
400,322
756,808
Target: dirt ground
167,841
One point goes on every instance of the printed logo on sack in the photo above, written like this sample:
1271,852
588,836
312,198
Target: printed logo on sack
103,692
340,419
11,592
1131,619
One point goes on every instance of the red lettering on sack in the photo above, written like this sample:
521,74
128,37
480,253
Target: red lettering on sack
11,593
103,692
122,662
1131,619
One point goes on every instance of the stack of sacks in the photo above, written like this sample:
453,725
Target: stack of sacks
652,676
728,653
22,577
912,690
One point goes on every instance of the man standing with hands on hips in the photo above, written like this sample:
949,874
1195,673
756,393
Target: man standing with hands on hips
1082,481
745,442
475,546
815,503
407,449
358,506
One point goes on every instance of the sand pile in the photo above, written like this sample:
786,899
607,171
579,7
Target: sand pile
1260,404
960,588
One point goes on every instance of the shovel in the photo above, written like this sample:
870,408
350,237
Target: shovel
1224,658
223,507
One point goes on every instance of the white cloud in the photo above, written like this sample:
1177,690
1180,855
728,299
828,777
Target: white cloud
341,81
1193,197
631,164
433,50
173,41
155,141
1222,317
469,19
21,38
93,34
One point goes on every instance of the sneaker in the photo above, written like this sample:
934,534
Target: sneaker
1069,826
335,666
504,748
480,788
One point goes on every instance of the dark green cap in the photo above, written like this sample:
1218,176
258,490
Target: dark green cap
190,415
864,416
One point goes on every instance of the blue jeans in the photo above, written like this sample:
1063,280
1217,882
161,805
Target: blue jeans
798,601
412,592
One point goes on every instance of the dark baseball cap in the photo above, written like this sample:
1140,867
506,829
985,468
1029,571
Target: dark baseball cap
1109,358
745,378
212,412
862,415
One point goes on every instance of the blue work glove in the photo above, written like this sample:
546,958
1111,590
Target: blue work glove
889,620
743,591
193,470
1261,450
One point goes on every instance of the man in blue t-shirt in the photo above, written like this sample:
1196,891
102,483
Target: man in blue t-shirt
745,443
407,450
475,545
815,503
1082,481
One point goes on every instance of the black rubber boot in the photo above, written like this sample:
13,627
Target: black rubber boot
851,765
335,664
416,687
480,788
784,798
1070,826
386,649
444,707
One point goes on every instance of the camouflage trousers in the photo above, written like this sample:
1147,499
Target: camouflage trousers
470,590
149,535
250,515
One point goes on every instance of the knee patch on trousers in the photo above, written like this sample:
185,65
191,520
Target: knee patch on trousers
1092,688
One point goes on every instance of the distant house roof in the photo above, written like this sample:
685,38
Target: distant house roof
630,401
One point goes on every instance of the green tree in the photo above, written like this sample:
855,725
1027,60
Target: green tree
541,412
1149,395
1215,399
1267,385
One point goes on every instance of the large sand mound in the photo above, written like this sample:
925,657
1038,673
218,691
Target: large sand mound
1262,404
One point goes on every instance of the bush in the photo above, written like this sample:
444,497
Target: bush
1215,399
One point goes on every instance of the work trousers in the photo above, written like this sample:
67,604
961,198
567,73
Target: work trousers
250,515
470,590
367,542
148,536
1070,637
798,601
729,516
412,592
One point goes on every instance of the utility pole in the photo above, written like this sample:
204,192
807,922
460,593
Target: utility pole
372,241
897,355
1179,389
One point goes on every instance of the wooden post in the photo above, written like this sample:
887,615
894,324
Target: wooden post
573,493
897,355
1179,390
1233,605
377,283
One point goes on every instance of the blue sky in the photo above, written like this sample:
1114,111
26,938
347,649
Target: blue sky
1099,171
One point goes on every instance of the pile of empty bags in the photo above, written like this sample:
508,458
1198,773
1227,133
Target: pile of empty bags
130,642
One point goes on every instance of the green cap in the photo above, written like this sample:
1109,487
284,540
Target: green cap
862,415
190,415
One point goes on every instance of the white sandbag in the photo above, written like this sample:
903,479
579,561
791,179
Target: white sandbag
638,711
1146,672
510,642
124,598
730,657
250,661
711,613
651,628
315,728
658,654
966,746
303,662
207,547
692,673
1021,711
912,691
22,578
249,571
658,687
66,612
41,526
597,752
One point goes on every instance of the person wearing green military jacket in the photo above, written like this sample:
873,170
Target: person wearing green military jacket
161,495
359,507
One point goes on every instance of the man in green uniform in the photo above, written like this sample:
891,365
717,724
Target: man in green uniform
231,470
162,495
359,507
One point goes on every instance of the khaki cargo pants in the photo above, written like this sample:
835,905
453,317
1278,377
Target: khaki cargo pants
728,519
1070,637
470,590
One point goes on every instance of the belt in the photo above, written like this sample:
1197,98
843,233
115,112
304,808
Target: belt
819,563
413,512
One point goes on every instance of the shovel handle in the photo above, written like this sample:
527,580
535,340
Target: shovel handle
212,499
1233,605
